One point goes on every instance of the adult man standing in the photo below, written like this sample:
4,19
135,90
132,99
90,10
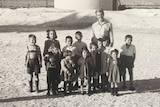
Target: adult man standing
102,28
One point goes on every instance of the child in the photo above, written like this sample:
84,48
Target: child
69,46
100,67
85,68
113,76
52,36
94,73
67,71
52,60
33,61
127,56
79,45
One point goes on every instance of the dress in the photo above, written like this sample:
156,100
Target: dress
114,71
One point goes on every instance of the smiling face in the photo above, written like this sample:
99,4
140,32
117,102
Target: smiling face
32,41
128,41
99,44
114,55
52,35
100,16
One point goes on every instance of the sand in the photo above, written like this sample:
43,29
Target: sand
16,25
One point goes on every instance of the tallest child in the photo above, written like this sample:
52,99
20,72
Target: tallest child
102,28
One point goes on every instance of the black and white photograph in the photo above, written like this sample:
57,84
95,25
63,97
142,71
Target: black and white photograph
79,53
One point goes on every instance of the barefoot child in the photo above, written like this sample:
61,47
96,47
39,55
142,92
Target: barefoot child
52,60
85,68
114,77
67,71
127,56
33,61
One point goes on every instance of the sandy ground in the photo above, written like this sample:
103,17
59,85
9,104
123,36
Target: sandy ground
16,25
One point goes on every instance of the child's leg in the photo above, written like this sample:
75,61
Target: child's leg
48,83
103,81
88,86
112,88
70,87
124,77
116,89
131,78
37,81
82,82
31,82
65,87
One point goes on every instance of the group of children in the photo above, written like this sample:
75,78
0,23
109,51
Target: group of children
101,68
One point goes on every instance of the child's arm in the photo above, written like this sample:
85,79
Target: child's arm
39,56
63,67
111,35
26,57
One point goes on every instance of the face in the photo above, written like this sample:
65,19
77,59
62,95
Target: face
84,54
68,42
52,35
78,37
128,41
99,44
105,43
32,41
93,48
100,16
114,55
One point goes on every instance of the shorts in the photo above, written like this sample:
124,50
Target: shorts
33,66
127,61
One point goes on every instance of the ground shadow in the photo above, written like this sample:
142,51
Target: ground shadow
70,22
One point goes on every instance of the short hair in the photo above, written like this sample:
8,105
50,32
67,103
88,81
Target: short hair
69,37
116,51
49,30
32,36
93,44
100,39
99,10
67,53
128,36
78,33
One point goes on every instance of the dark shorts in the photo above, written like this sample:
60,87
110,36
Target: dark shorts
127,61
33,66
52,75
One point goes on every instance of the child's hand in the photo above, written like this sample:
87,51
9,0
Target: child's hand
46,55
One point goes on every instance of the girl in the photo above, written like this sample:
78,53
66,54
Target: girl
52,36
33,61
67,71
114,77
85,68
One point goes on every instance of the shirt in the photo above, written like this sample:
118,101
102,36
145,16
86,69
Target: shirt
128,51
101,30
79,46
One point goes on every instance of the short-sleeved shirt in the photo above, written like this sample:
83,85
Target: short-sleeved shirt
101,30
128,51
79,46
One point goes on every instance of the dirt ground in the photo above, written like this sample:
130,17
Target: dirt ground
16,25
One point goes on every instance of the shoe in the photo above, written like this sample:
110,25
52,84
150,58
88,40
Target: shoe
116,92
37,86
48,94
112,92
30,86
132,88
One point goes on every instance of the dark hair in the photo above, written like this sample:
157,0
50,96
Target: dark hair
99,10
49,30
69,37
78,33
86,50
67,53
128,36
116,51
32,36
93,44
100,39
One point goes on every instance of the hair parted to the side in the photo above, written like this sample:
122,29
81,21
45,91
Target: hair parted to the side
128,36
69,37
49,30
99,10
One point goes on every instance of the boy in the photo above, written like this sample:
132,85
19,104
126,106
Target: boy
79,45
33,61
127,57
